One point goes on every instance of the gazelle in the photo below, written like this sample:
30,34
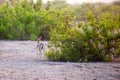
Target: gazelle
40,46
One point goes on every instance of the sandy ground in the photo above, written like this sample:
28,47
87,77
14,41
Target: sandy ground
18,61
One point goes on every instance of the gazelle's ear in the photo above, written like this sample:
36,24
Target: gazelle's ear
41,37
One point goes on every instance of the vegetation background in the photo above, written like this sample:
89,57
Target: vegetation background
80,33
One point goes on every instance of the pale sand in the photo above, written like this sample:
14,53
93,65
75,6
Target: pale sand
18,61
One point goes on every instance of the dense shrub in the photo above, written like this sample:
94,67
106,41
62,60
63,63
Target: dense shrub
23,20
97,39
77,44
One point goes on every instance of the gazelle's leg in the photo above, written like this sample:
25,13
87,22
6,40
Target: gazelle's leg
37,52
40,54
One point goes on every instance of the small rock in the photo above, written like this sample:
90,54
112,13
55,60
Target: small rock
36,79
65,78
117,70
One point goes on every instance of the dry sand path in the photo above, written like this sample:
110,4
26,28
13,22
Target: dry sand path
18,61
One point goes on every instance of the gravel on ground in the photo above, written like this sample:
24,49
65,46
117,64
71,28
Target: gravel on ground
18,61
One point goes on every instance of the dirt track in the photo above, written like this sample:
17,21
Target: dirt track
18,61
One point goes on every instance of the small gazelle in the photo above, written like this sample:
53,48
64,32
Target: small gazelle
40,46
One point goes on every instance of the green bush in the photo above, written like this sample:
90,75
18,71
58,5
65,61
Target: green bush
77,44
22,21
96,40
